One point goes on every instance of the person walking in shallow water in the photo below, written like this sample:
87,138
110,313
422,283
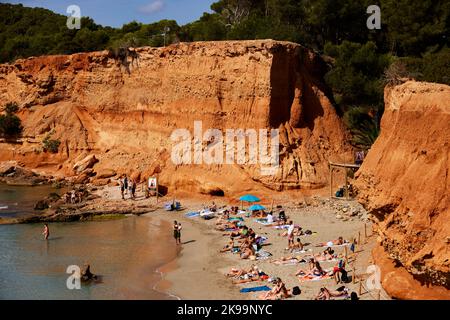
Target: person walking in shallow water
46,232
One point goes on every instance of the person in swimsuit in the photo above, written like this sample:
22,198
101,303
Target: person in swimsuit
325,294
277,293
46,232
87,275
179,233
175,231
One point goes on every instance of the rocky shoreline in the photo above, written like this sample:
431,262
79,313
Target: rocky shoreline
54,208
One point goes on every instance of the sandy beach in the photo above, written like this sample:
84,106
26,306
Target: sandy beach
199,270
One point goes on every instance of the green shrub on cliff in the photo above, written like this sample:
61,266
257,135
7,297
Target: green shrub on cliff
363,124
50,145
10,124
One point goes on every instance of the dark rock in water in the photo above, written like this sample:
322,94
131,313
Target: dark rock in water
54,196
42,205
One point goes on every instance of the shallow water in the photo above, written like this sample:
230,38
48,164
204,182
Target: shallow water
20,200
125,252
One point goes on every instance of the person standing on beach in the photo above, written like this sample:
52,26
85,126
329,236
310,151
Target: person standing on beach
46,232
290,234
133,189
179,234
122,188
125,184
176,231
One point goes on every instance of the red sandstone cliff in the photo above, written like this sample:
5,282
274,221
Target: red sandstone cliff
125,115
405,183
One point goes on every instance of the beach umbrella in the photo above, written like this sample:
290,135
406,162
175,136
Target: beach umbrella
256,207
249,198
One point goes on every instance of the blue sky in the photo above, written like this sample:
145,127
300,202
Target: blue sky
117,12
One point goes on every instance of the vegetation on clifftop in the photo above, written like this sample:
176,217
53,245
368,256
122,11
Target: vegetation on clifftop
415,33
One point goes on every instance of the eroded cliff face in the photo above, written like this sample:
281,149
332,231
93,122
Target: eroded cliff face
405,183
125,114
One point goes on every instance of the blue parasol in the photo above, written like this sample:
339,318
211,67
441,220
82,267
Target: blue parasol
249,198
256,207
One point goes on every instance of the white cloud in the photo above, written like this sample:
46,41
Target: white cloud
152,7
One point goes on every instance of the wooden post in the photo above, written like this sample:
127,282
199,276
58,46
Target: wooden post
353,274
365,232
331,180
271,209
157,188
360,288
359,237
378,294
346,184
346,255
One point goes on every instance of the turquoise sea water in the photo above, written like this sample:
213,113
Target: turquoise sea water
125,252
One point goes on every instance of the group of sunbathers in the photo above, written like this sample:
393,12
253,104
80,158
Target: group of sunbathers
243,240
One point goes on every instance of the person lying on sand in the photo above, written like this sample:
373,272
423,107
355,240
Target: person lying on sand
227,225
315,269
247,251
239,272
325,294
278,292
223,218
253,275
326,255
230,246
339,241
288,260
237,233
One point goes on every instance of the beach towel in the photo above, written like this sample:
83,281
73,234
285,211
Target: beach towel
346,297
236,219
333,246
286,226
255,289
231,229
242,212
260,240
314,278
291,262
235,250
206,213
263,222
298,251
263,254
192,214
